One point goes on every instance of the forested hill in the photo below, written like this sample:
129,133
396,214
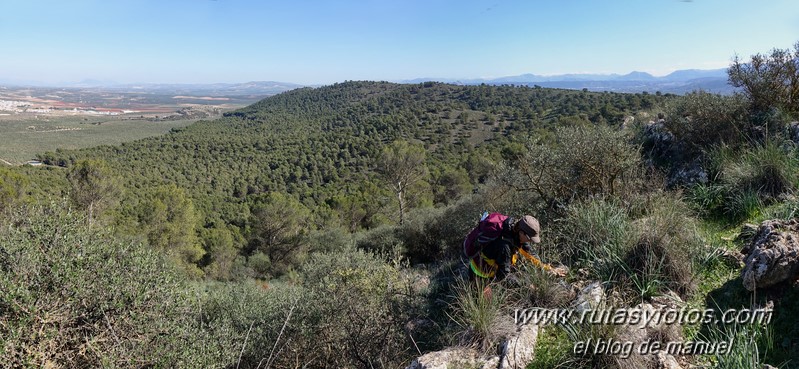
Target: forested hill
300,140
320,145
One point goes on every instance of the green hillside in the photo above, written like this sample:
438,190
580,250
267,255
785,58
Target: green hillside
320,145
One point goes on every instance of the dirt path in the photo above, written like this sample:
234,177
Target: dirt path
4,161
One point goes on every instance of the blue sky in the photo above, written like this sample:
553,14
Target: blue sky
321,42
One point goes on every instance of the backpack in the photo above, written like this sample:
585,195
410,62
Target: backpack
488,229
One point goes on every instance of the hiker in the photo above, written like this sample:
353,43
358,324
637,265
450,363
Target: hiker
494,245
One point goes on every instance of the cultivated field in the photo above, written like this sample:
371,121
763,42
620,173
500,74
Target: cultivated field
38,119
21,138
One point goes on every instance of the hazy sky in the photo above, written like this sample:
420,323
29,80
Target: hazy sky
321,42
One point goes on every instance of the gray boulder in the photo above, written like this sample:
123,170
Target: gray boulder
454,357
687,175
772,255
519,350
793,131
590,297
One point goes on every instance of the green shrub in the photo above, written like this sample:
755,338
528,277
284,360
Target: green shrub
428,234
347,309
75,297
581,162
702,120
369,303
13,186
382,240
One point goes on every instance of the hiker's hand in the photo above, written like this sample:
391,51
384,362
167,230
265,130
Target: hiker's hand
559,271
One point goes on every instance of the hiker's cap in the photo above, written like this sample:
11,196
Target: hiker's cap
530,227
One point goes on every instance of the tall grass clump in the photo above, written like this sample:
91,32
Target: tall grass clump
750,344
598,233
645,249
480,314
745,181
537,287
665,248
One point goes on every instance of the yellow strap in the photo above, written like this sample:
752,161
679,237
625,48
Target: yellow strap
477,270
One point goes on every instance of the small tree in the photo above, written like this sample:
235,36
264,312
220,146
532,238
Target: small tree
168,217
12,188
94,187
402,165
279,224
580,163
769,81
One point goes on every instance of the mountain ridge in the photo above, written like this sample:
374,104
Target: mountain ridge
678,82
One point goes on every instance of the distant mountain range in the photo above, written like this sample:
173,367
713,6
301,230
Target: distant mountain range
259,88
677,82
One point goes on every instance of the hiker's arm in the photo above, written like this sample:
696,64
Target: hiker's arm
529,256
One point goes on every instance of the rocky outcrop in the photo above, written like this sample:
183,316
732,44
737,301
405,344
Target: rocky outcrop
793,131
772,255
454,357
687,175
590,297
653,331
519,350
664,147
516,353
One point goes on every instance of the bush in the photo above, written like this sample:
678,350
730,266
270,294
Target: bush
428,234
581,163
702,120
381,240
370,303
79,298
769,81
347,310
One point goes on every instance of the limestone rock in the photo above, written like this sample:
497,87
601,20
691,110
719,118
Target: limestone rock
519,350
748,230
793,129
667,361
453,357
687,175
773,254
589,297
